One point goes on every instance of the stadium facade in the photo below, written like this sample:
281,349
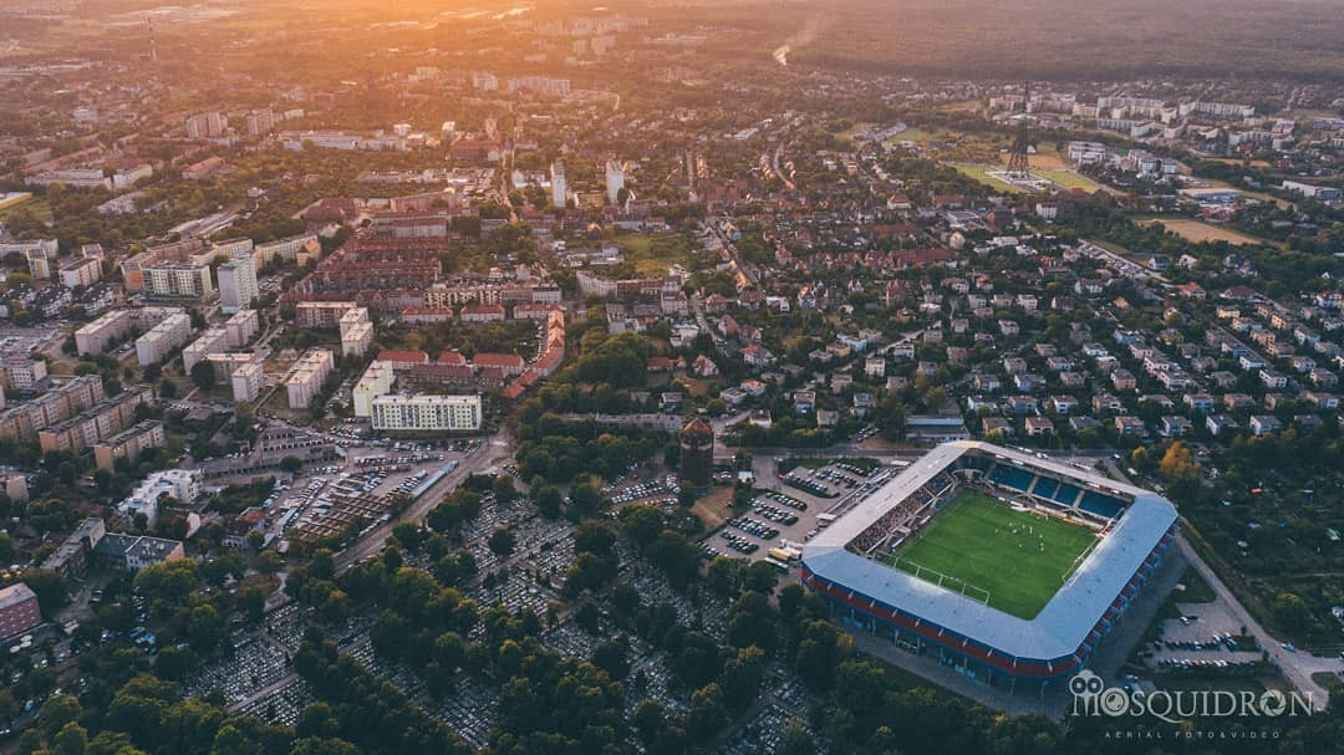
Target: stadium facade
1135,529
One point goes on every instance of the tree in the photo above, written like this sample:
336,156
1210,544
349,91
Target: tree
612,657
1178,464
502,542
706,716
205,628
72,739
203,375
49,586
409,535
549,500
9,707
323,746
59,711
1291,611
291,464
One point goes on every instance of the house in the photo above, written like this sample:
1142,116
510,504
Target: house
704,367
827,418
1237,401
1063,405
804,401
863,403
1273,380
996,427
1264,424
1200,402
1103,403
1175,427
840,381
757,355
1218,424
875,366
1124,380
1084,424
733,396
1039,426
1127,424
986,383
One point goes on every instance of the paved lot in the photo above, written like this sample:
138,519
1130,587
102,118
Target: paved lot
826,490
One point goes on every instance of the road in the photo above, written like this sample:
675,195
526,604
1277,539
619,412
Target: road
497,448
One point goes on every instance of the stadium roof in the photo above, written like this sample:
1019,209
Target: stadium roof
1070,615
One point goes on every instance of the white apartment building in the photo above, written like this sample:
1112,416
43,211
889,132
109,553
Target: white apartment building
558,189
356,332
38,264
425,412
246,381
238,282
159,342
179,280
84,271
305,381
97,336
212,341
376,381
242,327
206,125
615,180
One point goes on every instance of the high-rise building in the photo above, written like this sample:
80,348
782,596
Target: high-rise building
260,122
558,190
237,282
615,180
206,125
697,453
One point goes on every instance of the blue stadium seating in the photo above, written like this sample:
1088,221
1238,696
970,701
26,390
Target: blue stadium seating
975,461
1101,504
1046,487
1066,493
1012,477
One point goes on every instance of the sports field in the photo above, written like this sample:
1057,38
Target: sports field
1019,558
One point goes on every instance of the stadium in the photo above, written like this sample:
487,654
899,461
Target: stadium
1006,567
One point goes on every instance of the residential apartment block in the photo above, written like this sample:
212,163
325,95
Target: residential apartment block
425,412
305,381
128,444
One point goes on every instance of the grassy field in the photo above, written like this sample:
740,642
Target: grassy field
652,255
1196,231
1064,177
1020,558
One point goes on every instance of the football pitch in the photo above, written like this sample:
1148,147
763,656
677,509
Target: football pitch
983,545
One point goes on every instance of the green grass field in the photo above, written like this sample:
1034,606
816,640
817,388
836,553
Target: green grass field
1020,558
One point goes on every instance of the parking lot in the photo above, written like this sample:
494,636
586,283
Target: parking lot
1204,636
790,509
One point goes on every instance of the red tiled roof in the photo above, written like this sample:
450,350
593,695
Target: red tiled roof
416,357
